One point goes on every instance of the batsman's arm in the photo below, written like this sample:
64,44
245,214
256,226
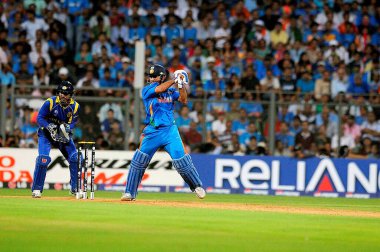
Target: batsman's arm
182,95
164,86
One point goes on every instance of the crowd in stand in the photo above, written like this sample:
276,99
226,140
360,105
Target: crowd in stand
320,59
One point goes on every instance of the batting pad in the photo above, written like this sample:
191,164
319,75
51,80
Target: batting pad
138,165
186,169
42,162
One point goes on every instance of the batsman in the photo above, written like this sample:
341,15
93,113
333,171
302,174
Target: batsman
161,132
56,119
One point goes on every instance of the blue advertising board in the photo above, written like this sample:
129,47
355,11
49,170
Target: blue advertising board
289,176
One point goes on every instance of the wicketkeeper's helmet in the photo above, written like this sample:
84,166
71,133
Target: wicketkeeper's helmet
65,87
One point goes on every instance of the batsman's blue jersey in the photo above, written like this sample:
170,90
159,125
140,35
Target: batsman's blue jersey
159,108
161,130
52,112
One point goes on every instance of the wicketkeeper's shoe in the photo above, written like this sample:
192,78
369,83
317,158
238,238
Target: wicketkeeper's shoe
200,192
36,194
127,197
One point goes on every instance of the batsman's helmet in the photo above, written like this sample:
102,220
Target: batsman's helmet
157,70
65,87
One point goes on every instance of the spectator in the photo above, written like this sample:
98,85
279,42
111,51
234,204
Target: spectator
82,58
88,80
280,149
278,35
41,79
358,86
103,112
192,136
351,128
107,80
6,76
116,136
270,83
57,46
239,125
218,102
253,107
250,81
107,123
305,138
346,139
322,85
285,136
251,146
183,120
371,128
97,46
339,83
38,53
219,125
63,75
215,83
251,131
32,24
306,83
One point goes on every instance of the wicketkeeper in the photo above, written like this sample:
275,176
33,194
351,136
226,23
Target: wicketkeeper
56,118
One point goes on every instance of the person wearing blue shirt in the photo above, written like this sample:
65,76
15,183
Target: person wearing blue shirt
189,32
358,86
183,120
253,108
172,30
251,131
285,136
259,68
215,83
306,84
284,115
240,125
107,80
159,99
57,118
219,102
6,76
136,32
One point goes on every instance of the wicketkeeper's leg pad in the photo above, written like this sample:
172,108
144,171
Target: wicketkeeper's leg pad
42,162
138,165
73,166
186,169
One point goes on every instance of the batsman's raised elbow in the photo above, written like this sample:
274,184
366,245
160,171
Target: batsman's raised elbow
182,101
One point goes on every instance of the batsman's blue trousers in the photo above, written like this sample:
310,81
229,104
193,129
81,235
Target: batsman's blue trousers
164,137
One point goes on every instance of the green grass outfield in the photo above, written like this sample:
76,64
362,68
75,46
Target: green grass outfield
59,223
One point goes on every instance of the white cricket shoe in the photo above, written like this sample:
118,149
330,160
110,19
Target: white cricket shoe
200,192
127,197
36,194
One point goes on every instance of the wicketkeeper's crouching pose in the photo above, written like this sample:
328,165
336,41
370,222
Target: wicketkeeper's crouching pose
56,118
161,132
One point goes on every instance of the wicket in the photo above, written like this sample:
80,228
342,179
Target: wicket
82,168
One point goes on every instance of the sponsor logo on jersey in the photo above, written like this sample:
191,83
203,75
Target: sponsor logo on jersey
69,114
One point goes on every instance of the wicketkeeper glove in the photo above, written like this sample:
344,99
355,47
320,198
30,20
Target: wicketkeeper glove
66,131
52,129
